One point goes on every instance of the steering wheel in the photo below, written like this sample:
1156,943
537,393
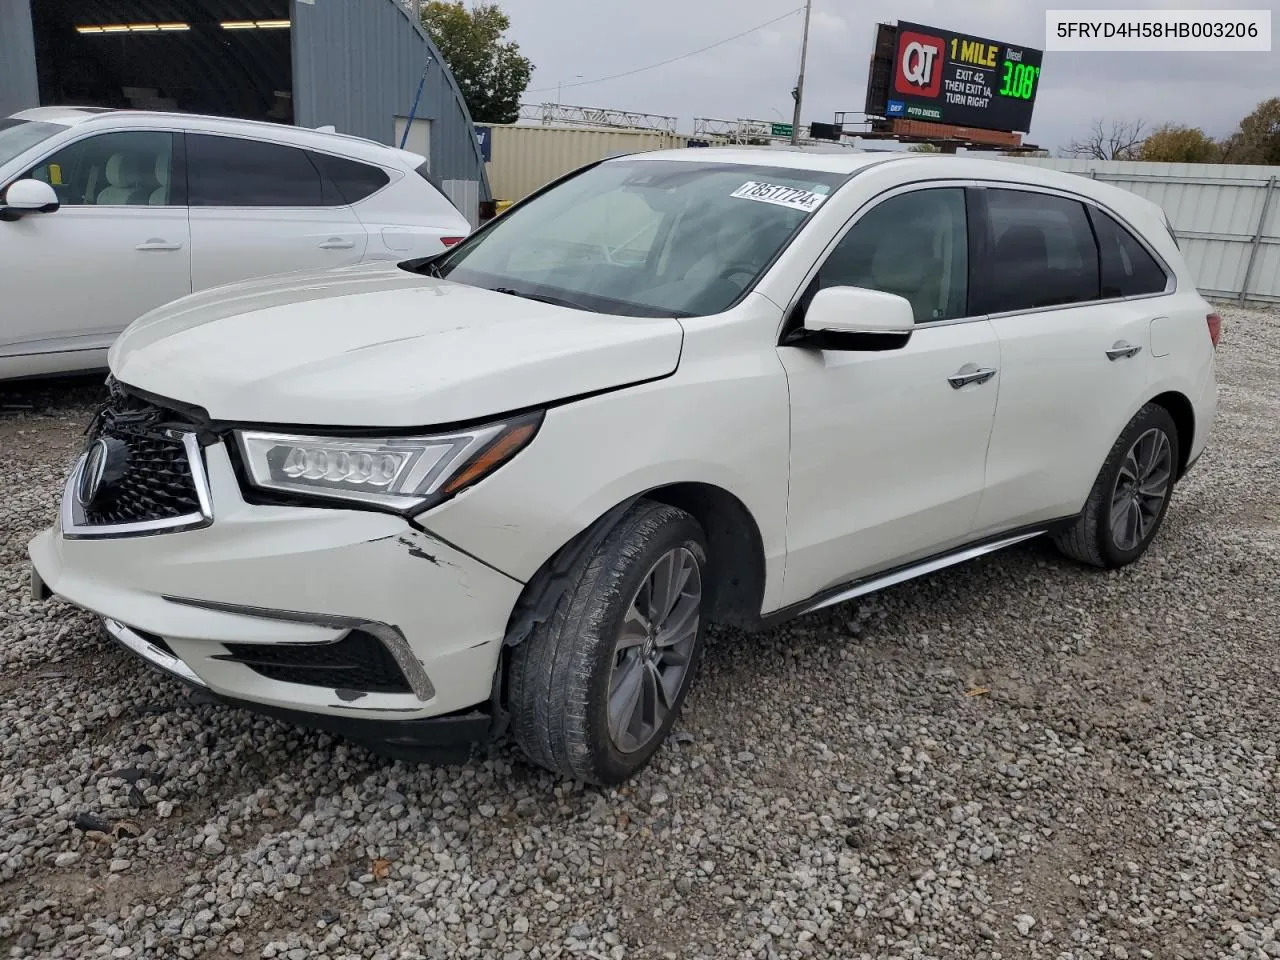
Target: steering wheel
739,267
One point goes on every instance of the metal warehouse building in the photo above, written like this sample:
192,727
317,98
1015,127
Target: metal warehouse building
355,64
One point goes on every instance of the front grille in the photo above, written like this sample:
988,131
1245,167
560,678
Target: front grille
150,478
359,661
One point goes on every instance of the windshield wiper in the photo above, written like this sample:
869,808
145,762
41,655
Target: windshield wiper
541,298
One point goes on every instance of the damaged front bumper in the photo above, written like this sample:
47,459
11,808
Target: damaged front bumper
349,620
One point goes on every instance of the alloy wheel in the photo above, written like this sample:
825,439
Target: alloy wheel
655,646
1141,488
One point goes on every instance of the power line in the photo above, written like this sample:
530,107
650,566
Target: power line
683,56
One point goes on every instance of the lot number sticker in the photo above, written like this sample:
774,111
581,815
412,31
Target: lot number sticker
792,197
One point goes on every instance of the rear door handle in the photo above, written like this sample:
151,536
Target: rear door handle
155,243
337,243
970,373
1121,350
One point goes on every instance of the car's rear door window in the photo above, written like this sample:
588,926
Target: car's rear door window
1042,252
235,172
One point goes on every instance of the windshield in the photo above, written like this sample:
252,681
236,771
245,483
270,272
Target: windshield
644,237
18,136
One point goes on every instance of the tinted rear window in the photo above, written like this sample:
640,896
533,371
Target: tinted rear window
1044,252
352,180
1128,270
233,172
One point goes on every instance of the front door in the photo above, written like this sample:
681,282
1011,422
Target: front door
887,452
118,246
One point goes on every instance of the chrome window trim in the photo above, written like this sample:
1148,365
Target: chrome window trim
72,516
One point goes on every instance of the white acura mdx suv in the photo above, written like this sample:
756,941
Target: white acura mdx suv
106,214
504,490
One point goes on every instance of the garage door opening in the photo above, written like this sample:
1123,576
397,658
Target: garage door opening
230,58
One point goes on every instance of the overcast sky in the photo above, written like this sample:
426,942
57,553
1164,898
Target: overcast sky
752,77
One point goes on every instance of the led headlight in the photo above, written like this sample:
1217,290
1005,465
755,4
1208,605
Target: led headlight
401,473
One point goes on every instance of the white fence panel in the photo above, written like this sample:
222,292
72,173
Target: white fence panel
1226,217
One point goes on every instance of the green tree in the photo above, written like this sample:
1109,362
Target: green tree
1174,143
490,71
1258,139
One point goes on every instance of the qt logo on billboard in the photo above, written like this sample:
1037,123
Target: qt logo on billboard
920,59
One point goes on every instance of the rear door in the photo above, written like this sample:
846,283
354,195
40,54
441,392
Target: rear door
1074,352
260,208
117,246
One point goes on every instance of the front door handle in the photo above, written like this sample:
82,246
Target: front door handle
970,373
337,243
155,243
1121,350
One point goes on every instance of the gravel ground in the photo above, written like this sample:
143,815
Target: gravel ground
1014,758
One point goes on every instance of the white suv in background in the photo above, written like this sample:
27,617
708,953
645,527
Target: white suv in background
106,214
672,389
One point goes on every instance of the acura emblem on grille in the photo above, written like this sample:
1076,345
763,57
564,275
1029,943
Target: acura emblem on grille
95,465
105,464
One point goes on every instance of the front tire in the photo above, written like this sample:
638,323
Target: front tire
1129,499
595,689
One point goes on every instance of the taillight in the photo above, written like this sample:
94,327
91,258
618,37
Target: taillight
1215,329
450,241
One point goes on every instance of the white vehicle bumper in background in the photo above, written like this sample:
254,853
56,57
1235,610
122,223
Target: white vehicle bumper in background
353,620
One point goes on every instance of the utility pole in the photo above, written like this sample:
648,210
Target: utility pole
799,91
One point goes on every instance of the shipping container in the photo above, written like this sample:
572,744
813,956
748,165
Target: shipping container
525,157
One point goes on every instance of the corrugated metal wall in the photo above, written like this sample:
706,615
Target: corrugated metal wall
357,64
1217,213
524,158
19,86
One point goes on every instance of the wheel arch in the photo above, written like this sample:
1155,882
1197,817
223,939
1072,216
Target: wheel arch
1183,412
735,549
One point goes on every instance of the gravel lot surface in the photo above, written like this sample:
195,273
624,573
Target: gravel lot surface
1013,758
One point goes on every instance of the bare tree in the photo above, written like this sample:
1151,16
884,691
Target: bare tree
1118,140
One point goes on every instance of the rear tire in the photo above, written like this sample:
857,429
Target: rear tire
1131,495
595,688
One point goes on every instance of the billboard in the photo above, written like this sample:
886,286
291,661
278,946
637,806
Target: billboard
926,73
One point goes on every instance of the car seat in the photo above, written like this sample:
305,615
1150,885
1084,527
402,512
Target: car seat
129,180
904,263
160,195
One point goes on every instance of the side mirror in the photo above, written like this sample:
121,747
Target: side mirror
28,196
859,310
854,318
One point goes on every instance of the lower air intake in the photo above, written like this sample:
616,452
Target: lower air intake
359,661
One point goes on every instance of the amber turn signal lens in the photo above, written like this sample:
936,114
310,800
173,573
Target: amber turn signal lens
501,450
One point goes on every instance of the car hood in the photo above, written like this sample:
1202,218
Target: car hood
374,345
